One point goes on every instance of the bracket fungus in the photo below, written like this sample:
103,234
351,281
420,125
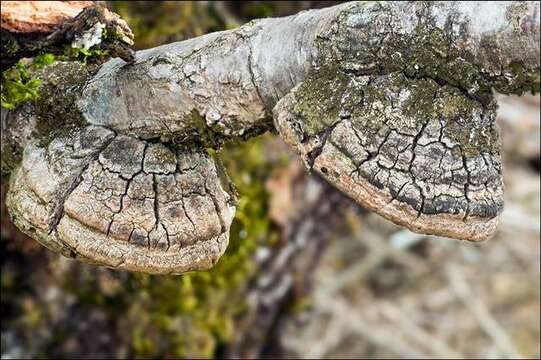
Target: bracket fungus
122,202
421,154
389,102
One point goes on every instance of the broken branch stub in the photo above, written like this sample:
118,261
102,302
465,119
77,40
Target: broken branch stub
31,28
389,102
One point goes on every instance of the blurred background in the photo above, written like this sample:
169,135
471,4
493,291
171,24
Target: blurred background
307,273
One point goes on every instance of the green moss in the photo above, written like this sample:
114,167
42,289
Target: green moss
43,60
319,99
85,56
21,82
18,86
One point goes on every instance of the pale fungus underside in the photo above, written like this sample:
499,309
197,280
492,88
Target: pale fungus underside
389,102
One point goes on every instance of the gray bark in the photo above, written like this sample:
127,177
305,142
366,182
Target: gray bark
390,102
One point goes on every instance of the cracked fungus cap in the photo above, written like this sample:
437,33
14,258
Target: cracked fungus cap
122,202
422,154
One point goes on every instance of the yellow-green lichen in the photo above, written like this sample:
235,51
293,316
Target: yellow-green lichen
377,103
319,99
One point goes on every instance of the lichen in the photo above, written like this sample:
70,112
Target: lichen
380,41
57,114
325,88
395,101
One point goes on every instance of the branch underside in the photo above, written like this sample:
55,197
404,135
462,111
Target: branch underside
389,102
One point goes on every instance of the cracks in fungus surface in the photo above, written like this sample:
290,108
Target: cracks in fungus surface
125,202
418,151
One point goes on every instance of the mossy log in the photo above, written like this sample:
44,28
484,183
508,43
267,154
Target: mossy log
389,102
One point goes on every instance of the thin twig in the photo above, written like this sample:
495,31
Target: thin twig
487,322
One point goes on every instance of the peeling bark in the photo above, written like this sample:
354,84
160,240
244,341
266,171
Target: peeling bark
390,102
30,28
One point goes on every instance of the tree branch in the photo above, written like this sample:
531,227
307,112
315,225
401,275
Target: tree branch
390,102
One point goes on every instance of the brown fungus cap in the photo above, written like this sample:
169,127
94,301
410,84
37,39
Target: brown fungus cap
423,155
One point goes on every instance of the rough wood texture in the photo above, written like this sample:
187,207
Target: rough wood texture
390,102
38,16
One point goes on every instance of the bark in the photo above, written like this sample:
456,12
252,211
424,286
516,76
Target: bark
389,102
